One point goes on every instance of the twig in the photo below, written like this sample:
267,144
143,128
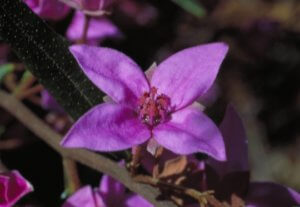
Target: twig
90,159
201,197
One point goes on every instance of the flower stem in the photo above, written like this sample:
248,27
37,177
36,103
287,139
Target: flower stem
72,181
85,30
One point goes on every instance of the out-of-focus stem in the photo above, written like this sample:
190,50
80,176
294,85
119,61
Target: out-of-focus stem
85,29
72,181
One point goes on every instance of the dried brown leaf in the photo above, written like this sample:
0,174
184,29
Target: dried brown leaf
174,167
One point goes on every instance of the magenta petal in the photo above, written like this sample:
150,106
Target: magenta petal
113,72
110,189
13,186
107,127
189,73
99,29
48,9
266,194
84,197
190,131
236,144
137,201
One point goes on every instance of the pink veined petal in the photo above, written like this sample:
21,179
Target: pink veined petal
266,194
188,74
13,186
99,29
110,189
190,131
113,72
107,127
236,144
84,197
137,201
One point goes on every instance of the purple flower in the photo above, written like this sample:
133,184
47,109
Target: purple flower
99,29
109,194
48,9
232,176
12,187
160,108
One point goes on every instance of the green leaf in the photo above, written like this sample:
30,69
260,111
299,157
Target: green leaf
5,69
47,56
191,6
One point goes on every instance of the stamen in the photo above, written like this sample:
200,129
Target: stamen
154,109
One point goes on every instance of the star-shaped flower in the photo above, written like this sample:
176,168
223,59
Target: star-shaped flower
161,108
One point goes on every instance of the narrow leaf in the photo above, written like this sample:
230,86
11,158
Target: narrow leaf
47,56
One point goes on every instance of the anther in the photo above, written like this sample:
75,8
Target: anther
153,109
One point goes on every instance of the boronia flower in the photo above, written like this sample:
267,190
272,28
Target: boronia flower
110,193
12,187
98,30
161,108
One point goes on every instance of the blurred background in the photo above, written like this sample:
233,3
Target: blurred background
260,77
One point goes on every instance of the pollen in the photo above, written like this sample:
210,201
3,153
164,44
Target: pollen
154,109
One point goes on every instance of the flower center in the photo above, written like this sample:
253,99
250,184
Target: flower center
154,109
